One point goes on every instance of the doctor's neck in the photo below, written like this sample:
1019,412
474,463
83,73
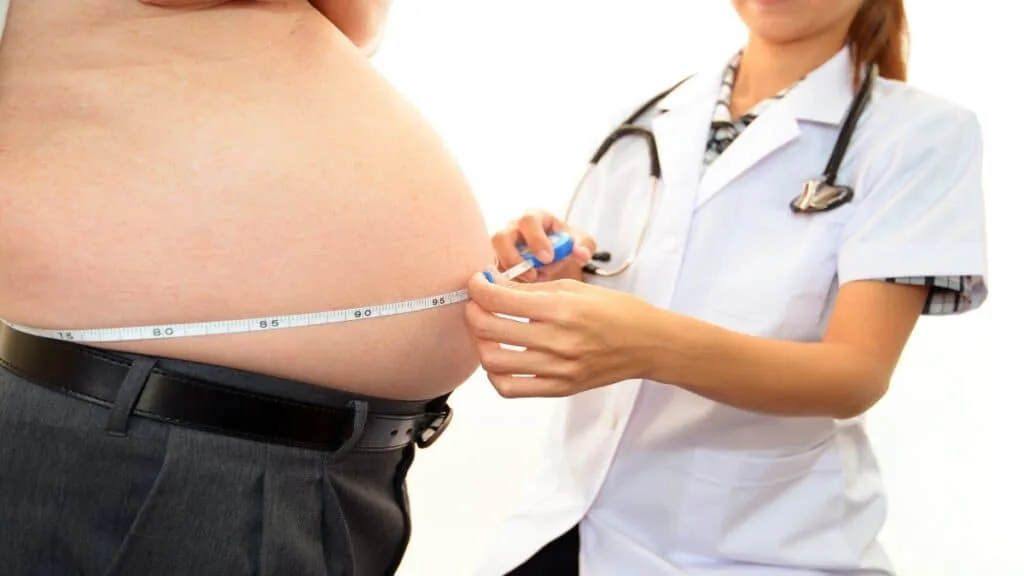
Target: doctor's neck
791,38
766,67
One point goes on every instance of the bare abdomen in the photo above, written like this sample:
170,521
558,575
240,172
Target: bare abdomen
187,187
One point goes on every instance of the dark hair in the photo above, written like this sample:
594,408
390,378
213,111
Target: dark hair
878,35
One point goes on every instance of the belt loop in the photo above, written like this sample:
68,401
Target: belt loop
362,411
128,395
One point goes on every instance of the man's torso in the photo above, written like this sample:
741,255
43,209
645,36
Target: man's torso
182,166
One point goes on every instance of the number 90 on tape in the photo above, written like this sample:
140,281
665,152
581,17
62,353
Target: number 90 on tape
561,242
186,330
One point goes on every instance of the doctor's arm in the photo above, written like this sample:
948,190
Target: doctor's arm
921,215
840,377
582,337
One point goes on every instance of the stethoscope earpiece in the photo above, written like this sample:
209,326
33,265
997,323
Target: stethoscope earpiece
591,268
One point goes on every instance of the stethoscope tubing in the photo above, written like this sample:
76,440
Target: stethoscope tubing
801,204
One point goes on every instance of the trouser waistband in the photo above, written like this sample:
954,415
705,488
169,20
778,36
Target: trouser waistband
221,400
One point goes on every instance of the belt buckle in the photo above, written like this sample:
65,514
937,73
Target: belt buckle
432,431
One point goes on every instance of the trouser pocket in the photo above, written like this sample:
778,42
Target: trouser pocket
372,508
402,496
223,505
69,491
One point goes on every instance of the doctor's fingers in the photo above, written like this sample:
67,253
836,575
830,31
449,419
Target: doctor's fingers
531,229
548,375
534,335
584,245
544,302
570,268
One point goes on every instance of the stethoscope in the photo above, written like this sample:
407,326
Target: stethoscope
818,195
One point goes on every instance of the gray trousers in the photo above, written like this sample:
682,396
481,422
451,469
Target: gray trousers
76,500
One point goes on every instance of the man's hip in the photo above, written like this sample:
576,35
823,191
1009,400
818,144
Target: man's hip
108,467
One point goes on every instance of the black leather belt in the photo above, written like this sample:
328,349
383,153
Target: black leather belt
96,376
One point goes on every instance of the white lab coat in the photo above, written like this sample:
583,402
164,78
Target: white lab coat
664,482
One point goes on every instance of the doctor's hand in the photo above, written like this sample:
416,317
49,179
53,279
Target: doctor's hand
578,337
532,229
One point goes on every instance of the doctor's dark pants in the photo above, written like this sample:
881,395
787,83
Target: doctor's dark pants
561,557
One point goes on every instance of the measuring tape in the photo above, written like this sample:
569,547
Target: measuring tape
562,247
165,331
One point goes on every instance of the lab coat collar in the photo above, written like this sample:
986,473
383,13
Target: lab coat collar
680,132
826,93
822,97
705,80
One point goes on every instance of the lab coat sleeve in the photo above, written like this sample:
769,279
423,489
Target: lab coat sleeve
922,213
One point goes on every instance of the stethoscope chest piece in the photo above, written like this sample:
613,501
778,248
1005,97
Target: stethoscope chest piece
820,196
816,196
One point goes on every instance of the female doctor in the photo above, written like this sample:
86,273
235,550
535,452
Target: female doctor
772,228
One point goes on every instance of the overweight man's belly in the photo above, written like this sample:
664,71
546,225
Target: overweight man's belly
168,167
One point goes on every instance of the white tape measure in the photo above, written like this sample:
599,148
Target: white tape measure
562,245
166,331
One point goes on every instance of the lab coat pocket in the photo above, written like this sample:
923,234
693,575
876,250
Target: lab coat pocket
785,510
770,313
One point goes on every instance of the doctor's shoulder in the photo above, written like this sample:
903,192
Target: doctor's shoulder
905,118
919,207
909,137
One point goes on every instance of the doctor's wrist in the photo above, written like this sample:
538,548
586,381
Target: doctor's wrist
671,342
654,343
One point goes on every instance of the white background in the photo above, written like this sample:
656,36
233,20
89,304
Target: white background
521,91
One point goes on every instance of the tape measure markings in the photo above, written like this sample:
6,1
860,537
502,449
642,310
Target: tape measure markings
562,245
192,329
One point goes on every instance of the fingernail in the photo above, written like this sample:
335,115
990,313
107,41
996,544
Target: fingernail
545,256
